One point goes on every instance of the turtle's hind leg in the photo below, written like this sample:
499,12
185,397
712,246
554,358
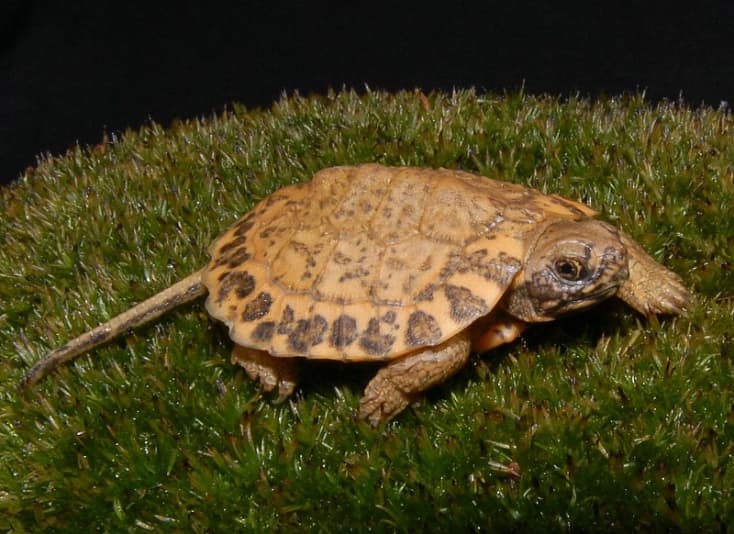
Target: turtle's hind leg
272,372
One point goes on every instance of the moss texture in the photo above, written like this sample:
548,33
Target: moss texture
598,422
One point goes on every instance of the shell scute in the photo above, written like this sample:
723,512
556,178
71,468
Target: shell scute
423,329
350,272
399,214
302,259
451,214
375,340
409,266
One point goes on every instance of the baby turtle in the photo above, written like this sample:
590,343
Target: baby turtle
414,268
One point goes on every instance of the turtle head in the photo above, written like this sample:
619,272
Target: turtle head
570,265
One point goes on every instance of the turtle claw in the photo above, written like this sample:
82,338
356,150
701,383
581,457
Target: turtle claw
382,401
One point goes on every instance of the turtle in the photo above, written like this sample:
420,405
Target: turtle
414,268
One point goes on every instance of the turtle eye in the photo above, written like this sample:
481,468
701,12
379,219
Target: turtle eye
570,269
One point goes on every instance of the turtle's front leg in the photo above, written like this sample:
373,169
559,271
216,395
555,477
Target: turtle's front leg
271,372
396,385
651,288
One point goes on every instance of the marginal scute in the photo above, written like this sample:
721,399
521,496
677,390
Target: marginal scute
237,242
374,342
465,305
244,225
423,329
372,262
238,257
263,332
241,283
343,331
287,320
258,307
307,333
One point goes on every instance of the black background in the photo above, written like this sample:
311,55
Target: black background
71,71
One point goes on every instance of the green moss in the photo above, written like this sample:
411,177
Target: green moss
612,422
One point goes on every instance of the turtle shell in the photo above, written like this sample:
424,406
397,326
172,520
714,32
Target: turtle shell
371,262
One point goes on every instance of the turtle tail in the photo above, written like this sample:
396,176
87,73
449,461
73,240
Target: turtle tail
179,293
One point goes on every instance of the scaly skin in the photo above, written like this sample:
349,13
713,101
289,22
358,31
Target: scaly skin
271,372
651,289
396,385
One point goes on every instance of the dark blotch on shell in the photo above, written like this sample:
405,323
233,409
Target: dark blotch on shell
423,329
375,343
389,317
241,282
343,331
500,269
286,320
425,294
257,308
264,332
238,257
232,244
465,306
307,333
244,225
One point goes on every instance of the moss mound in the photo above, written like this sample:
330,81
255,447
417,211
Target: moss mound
599,422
